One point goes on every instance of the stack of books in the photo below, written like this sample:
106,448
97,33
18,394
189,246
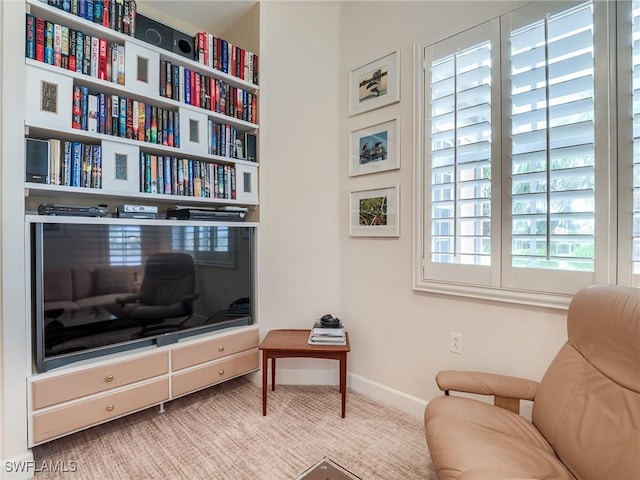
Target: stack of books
321,335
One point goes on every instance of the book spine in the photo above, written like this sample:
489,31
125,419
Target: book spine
64,48
86,59
102,112
72,50
57,45
187,86
97,11
102,59
92,113
66,164
160,174
170,128
79,51
30,44
96,155
115,115
153,138
95,53
174,176
122,119
84,107
48,42
167,175
88,13
76,167
106,13
176,129
121,72
141,121
87,164
129,120
154,174
40,39
114,63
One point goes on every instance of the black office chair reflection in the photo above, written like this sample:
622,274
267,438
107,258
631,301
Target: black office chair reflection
167,293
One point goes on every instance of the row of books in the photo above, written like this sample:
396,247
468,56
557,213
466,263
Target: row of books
74,164
193,88
218,53
118,15
321,335
63,47
180,176
225,140
124,117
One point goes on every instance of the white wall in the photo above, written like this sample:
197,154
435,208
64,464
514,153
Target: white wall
299,157
400,338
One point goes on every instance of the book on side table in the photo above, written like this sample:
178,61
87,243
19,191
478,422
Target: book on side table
323,335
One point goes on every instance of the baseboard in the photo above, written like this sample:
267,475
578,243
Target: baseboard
404,402
381,393
19,468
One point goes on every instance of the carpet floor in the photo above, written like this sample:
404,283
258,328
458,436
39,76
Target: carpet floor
220,433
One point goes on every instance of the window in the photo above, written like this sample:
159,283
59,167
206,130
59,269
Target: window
125,245
516,186
207,245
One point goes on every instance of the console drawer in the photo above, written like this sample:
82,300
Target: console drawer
214,372
84,413
69,386
189,355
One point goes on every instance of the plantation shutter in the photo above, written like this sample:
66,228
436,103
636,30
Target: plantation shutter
635,220
461,87
552,145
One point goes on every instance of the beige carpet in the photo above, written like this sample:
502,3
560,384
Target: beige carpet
220,433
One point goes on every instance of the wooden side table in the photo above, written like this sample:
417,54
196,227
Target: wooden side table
294,343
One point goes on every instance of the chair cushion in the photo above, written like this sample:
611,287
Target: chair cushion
469,439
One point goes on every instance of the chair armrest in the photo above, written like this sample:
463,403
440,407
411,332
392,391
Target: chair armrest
127,299
487,384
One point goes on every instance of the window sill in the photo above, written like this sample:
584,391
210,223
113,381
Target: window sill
518,297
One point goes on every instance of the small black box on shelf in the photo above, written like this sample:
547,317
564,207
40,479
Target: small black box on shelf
250,147
37,160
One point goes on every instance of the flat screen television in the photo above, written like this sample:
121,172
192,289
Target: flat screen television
106,287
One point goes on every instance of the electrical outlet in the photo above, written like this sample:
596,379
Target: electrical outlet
455,342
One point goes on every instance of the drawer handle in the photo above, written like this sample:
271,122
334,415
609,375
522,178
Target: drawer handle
110,408
108,378
221,349
221,372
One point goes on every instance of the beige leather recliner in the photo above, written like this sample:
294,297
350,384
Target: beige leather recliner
586,409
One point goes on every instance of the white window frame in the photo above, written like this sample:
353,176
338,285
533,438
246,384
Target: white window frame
505,284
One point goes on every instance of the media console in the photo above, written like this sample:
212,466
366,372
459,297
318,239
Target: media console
71,399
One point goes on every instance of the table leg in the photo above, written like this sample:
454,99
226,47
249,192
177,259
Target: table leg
343,380
273,373
265,367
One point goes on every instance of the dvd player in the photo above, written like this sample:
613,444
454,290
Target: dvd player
205,214
73,210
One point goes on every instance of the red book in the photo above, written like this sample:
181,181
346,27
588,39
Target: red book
243,63
40,39
102,59
198,86
106,13
192,93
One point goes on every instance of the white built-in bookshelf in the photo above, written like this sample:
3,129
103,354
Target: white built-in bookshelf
204,139
200,159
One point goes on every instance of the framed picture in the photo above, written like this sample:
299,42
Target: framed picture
375,84
375,148
375,213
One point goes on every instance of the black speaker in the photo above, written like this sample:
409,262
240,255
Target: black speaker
163,36
37,160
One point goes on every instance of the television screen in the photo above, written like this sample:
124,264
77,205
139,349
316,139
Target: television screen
101,287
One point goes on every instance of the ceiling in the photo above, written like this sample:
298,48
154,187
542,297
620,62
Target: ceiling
213,16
